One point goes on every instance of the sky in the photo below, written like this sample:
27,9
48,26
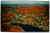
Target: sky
24,2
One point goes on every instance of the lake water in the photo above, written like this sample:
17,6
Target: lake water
28,28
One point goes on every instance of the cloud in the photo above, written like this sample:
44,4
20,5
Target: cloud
23,2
